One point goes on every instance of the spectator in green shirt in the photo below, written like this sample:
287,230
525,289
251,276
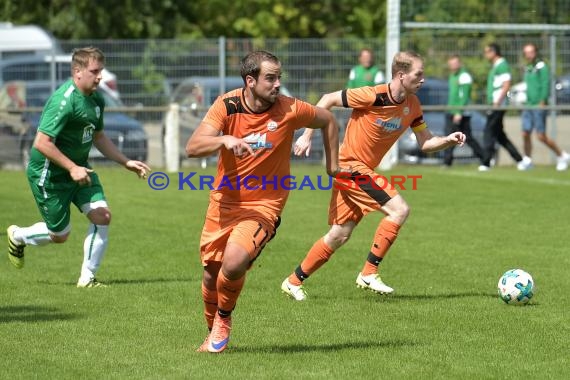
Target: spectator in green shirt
457,119
537,79
366,73
498,85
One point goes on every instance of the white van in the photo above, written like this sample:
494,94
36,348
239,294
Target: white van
25,40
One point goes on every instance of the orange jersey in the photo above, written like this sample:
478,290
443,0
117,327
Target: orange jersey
375,124
271,136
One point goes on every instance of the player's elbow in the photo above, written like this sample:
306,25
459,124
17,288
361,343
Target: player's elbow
191,149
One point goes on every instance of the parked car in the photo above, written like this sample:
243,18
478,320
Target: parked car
434,92
39,68
18,129
194,96
517,93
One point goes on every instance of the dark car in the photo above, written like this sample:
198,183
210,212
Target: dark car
127,133
194,96
434,92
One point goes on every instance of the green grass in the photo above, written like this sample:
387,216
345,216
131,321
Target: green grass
444,321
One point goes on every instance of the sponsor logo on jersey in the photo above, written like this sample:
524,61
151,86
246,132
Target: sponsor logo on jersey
272,126
389,126
258,141
88,133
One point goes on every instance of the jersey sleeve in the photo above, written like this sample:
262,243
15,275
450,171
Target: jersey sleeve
216,115
305,114
55,116
362,97
418,123
544,78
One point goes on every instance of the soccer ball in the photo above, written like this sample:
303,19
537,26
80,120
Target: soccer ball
516,287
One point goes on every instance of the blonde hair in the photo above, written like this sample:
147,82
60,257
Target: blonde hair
403,61
81,57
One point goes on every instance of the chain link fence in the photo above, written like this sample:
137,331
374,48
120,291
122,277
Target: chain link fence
149,71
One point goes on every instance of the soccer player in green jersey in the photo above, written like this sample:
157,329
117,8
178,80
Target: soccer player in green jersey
58,172
498,85
365,73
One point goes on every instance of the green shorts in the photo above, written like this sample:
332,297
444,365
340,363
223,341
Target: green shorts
54,200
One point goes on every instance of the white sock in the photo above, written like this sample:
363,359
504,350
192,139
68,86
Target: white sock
36,234
93,250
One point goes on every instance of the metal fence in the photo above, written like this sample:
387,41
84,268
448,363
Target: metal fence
149,70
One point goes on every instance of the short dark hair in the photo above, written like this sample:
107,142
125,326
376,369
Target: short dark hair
251,63
496,48
80,57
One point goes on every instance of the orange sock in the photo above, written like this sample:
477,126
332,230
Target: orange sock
228,293
384,237
210,297
319,254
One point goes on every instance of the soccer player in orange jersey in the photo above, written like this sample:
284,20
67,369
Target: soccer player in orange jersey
381,114
252,128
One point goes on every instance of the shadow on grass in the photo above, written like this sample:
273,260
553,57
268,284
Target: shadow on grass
300,348
125,281
427,297
32,313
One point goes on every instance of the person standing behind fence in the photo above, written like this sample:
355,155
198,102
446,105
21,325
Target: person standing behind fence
537,80
365,73
498,85
457,119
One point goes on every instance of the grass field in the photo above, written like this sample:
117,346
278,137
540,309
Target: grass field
444,321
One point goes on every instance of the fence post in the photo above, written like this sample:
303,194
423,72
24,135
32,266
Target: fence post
222,63
392,47
553,126
172,139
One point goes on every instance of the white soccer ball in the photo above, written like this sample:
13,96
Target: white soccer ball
516,287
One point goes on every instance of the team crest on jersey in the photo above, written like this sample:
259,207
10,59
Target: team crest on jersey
258,141
406,110
98,112
88,133
272,126
389,126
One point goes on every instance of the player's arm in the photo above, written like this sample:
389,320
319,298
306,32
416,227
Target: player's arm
206,140
544,78
110,150
504,91
325,120
303,143
45,145
429,143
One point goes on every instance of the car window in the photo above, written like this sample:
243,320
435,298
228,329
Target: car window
35,71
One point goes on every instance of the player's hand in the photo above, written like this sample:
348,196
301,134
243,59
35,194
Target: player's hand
238,146
457,118
302,145
456,138
80,175
334,172
138,167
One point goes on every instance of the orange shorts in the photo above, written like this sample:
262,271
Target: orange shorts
355,196
246,227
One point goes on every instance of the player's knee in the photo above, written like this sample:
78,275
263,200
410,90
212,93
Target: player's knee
400,213
100,216
59,238
337,236
525,134
541,137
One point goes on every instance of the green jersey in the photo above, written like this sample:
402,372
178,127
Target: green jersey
499,74
537,79
70,118
460,84
361,76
